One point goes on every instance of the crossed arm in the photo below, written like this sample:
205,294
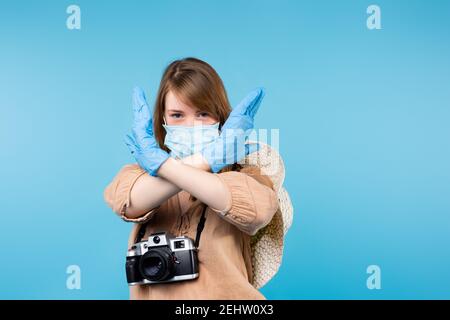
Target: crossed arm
247,196
190,174
246,200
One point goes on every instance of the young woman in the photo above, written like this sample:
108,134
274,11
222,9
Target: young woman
174,180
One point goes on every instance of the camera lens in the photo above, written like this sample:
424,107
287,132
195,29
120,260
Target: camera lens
152,266
157,264
156,239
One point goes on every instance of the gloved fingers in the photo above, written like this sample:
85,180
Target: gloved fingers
243,122
141,110
250,104
138,98
140,133
256,103
142,139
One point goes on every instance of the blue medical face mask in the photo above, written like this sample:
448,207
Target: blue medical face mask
184,141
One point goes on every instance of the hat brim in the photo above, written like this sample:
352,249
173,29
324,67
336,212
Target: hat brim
268,243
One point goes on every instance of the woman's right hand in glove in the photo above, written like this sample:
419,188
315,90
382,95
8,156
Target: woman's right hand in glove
142,142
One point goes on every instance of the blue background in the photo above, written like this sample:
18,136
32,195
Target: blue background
364,133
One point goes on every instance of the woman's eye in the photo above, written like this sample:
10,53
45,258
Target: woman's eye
203,114
176,115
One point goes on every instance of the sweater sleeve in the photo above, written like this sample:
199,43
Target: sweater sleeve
253,200
117,193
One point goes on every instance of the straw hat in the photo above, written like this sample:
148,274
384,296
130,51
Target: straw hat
267,244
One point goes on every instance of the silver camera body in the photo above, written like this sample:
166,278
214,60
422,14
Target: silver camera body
160,259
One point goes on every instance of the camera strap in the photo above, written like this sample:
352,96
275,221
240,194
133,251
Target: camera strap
200,226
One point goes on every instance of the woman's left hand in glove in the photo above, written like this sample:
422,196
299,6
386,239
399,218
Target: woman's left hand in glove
232,145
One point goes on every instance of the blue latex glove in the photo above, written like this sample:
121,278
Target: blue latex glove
232,146
142,143
242,116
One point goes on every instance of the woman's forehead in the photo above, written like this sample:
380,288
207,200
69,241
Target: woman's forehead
174,103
